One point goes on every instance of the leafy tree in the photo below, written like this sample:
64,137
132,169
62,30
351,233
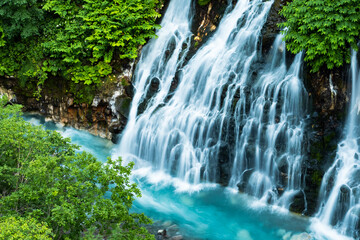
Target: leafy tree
2,41
325,29
43,176
15,228
21,18
90,32
77,40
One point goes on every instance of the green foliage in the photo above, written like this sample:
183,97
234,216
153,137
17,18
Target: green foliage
16,228
116,234
89,33
203,2
325,29
76,40
21,18
43,176
82,93
2,41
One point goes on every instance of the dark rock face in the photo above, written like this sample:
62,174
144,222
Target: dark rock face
298,204
205,22
328,102
271,29
329,98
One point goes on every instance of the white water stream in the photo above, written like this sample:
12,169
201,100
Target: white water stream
229,117
340,189
214,213
270,135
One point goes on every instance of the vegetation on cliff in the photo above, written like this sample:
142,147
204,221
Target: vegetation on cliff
47,184
325,29
75,40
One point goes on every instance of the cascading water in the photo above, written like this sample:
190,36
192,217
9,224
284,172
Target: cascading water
160,59
211,214
221,114
340,189
223,109
269,137
159,62
182,136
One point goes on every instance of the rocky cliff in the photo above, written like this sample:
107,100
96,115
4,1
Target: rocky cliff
104,115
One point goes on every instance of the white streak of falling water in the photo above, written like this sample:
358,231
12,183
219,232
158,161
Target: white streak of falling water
224,103
182,136
159,61
270,135
340,189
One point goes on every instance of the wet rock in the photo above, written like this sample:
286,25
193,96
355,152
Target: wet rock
245,179
301,236
50,109
271,29
242,186
162,232
344,189
154,84
280,190
325,127
205,22
175,81
59,106
94,103
122,105
224,164
298,204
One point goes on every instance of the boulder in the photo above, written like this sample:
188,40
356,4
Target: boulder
301,236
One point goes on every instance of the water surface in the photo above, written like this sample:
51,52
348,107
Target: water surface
203,211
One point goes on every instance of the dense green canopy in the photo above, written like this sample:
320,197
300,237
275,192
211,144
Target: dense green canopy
43,176
74,39
325,29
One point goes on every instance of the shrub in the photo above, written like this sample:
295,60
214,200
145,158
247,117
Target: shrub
325,29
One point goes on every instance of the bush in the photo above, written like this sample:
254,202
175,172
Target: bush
325,29
16,228
43,176
76,40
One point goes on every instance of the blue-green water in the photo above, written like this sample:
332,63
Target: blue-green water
203,211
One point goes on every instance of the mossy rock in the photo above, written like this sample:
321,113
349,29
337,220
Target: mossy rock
122,105
203,2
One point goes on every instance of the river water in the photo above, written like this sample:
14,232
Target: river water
205,211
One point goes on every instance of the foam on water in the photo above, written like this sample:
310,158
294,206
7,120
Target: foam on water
208,212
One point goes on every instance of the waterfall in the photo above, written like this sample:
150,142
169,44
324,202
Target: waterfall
180,131
269,152
231,118
340,189
153,79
